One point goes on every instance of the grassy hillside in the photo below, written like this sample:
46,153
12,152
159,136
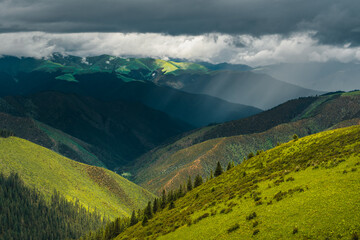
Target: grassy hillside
94,187
303,189
197,153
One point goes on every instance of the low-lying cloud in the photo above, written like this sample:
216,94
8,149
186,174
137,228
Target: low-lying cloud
216,47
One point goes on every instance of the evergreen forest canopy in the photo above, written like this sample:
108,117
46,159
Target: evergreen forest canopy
26,214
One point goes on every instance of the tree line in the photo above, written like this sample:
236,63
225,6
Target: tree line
6,133
26,214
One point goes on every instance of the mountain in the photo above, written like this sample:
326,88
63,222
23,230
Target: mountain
327,76
108,78
197,152
94,187
113,132
304,189
243,87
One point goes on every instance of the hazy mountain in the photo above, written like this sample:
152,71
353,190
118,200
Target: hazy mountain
328,76
243,87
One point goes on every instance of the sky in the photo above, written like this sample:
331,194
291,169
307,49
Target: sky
253,32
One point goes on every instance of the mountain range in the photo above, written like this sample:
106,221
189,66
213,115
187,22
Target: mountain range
145,148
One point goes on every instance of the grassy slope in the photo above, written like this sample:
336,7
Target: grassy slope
95,187
310,184
170,165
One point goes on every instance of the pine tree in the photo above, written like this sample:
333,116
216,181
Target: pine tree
145,220
189,184
180,192
229,166
155,205
218,170
133,219
171,205
198,181
163,199
147,211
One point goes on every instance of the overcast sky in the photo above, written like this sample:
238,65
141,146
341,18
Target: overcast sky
254,32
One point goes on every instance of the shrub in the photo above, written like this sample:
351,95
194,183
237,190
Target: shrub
256,231
295,230
290,179
255,223
251,216
354,236
295,137
233,228
205,215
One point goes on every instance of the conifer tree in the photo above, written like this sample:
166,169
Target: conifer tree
147,211
145,220
171,205
163,199
133,219
211,174
218,170
155,205
230,166
198,181
180,192
189,184
117,226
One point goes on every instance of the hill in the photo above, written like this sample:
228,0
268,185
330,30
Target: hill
94,187
198,152
115,132
304,189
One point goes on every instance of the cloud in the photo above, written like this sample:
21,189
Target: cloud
216,48
335,22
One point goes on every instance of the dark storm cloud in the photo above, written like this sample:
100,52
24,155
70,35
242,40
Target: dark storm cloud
336,22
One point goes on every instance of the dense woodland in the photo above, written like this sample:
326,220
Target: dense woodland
6,133
25,214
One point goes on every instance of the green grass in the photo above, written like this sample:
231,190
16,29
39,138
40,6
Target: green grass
59,138
352,93
304,189
95,187
67,77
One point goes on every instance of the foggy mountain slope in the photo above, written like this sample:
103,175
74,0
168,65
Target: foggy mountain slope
244,87
328,76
